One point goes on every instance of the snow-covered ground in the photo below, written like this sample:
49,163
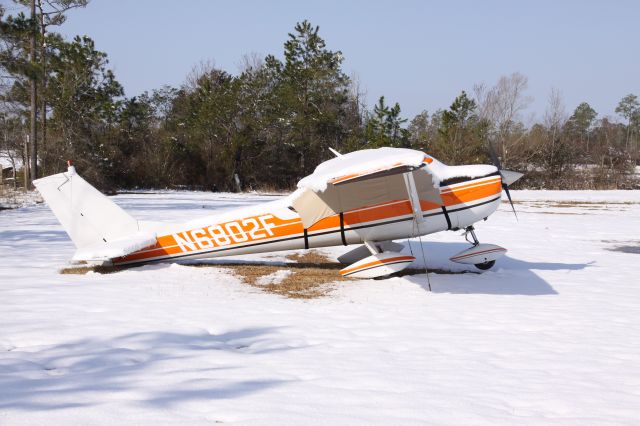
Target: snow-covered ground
11,198
551,335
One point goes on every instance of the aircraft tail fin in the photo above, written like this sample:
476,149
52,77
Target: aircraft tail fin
87,215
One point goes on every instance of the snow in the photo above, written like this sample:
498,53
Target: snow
360,162
274,278
550,336
5,160
11,198
443,172
116,248
373,160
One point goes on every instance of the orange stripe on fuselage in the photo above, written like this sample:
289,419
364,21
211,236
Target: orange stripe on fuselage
451,196
248,230
471,192
167,245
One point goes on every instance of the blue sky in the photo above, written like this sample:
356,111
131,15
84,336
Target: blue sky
418,53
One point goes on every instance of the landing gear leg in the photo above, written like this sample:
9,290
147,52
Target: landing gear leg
470,230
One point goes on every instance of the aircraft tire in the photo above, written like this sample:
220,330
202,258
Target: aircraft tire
486,265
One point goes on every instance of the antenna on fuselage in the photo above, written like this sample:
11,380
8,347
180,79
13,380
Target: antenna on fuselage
336,153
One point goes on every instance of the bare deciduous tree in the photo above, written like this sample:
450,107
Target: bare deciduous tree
557,154
501,106
555,115
201,69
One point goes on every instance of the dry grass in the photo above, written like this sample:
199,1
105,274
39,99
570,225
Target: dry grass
304,282
312,275
311,256
83,269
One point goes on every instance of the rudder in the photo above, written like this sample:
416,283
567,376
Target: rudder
86,214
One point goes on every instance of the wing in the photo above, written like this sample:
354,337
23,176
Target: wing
361,179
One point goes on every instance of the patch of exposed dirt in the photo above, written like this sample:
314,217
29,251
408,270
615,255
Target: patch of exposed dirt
84,269
310,256
312,275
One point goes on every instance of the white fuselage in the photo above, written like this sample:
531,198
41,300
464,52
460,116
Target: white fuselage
275,226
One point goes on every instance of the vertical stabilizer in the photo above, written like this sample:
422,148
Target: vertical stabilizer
87,215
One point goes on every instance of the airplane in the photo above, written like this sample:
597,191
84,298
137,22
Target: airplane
367,198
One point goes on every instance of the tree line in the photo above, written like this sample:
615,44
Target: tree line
274,121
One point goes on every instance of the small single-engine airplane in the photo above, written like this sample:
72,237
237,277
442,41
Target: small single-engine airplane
369,197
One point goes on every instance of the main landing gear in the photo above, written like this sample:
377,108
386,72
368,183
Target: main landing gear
482,256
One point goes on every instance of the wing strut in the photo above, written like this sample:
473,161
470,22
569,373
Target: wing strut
413,197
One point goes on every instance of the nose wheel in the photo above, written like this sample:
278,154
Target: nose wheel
482,256
486,265
470,231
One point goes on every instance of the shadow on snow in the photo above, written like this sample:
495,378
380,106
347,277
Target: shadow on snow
510,276
88,371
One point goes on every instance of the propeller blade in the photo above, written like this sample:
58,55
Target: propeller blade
506,189
494,156
507,176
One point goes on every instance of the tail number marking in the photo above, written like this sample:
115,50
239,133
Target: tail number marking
249,229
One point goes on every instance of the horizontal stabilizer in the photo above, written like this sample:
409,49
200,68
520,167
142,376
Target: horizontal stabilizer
119,247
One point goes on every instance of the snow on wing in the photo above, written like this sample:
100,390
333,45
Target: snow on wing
363,178
359,164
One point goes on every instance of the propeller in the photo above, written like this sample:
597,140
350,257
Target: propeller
508,177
